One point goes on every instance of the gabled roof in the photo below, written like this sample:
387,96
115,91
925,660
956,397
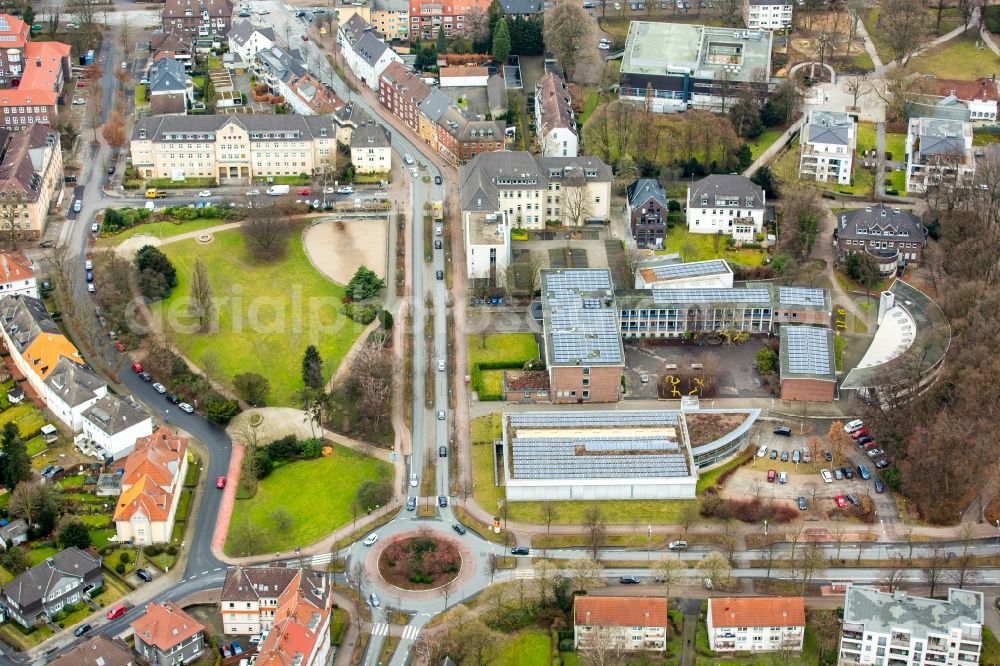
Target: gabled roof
308,127
525,7
456,71
354,28
158,456
299,621
13,31
23,161
98,651
25,318
164,626
167,76
878,220
37,582
252,583
170,40
280,61
435,104
113,415
15,267
46,350
757,611
242,31
408,83
370,135
215,8
351,114
726,185
15,528
370,48
146,498
170,103
553,97
645,189
600,611
43,63
320,99
73,383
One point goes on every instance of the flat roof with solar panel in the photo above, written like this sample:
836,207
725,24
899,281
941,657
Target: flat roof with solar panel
807,353
580,319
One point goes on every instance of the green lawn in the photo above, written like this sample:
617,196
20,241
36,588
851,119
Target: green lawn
28,419
502,347
895,145
316,494
39,555
699,247
36,445
808,657
896,180
267,313
162,229
531,647
870,19
839,344
866,137
991,648
140,95
590,100
764,141
957,59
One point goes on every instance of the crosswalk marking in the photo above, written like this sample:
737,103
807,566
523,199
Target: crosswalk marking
524,573
324,558
410,632
381,629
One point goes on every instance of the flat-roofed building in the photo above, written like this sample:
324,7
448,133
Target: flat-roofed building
487,246
806,360
677,66
670,272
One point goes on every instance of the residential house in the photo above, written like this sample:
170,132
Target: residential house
197,18
533,190
345,13
487,246
554,119
70,390
938,154
114,425
232,149
646,209
308,97
171,90
893,236
151,488
393,22
755,624
31,178
526,9
730,205
274,65
365,51
46,588
581,336
828,142
402,92
371,149
669,271
172,44
250,596
427,17
247,40
14,533
300,632
626,624
166,635
17,274
352,28
911,630
32,75
33,339
348,118
98,651
767,14
463,76
972,101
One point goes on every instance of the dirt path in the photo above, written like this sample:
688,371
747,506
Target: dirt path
825,249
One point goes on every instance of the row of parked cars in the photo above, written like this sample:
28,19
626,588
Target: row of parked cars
161,389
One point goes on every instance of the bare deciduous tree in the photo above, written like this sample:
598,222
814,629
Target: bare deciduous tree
596,527
266,231
715,567
202,301
933,570
585,573
577,204
549,513
893,575
669,571
567,34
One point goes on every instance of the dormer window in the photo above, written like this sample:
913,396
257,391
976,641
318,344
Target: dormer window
704,201
142,134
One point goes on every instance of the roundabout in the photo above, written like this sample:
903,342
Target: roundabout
419,565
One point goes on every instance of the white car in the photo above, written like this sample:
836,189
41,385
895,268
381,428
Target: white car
95,227
413,480
825,473
604,46
408,158
159,388
441,365
205,193
370,540
346,189
88,265
854,425
329,190
90,287
77,101
184,407
72,26
762,451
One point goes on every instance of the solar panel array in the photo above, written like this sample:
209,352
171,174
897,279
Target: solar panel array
586,335
695,269
616,419
808,350
605,444
698,296
577,280
801,296
558,459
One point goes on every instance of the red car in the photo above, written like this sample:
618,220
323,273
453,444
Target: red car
870,445
119,346
220,482
841,502
305,38
859,433
116,612
304,191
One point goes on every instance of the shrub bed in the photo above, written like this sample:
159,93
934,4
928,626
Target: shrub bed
420,562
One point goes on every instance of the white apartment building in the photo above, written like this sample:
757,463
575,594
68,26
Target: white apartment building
114,425
531,190
756,624
829,139
236,149
17,274
371,150
726,204
554,118
901,630
487,245
938,153
247,40
767,14
70,390
365,52
628,624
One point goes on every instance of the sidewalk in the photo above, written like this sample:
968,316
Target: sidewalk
775,148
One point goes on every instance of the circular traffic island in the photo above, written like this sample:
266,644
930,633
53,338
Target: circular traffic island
419,562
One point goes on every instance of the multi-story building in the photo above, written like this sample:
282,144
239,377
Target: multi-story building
46,588
902,630
526,9
828,141
533,190
402,92
365,52
98,651
394,23
300,632
554,119
583,346
151,488
755,624
70,390
428,17
677,66
17,275
308,97
173,44
113,426
767,14
938,154
626,624
894,237
731,205
669,271
171,90
166,635
32,75
646,209
756,308
31,177
347,119
198,18
970,101
371,149
807,363
33,340
487,246
250,596
235,149
247,40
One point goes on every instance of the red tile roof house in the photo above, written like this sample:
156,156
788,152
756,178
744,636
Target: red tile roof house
168,635
755,624
625,623
300,634
32,75
151,488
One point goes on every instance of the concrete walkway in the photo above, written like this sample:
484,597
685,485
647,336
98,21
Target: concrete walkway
989,40
775,148
870,47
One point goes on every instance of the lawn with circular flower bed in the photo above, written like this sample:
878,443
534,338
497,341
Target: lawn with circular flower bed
419,562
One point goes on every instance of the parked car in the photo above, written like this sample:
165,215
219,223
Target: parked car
305,191
439,275
771,475
784,456
863,472
329,190
629,580
413,480
370,540
159,388
144,575
802,503
827,456
441,416
796,456
116,612
442,501
95,227
678,545
853,426
838,475
875,452
847,471
783,431
841,502
437,244
205,193
81,630
145,376
442,451
172,398
882,463
774,454
411,503
459,528
345,189
78,101
859,433
186,408
437,180
879,486
762,451
520,550
782,477
853,499
408,158
825,473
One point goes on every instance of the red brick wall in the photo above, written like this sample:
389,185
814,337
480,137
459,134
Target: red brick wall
814,390
604,384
